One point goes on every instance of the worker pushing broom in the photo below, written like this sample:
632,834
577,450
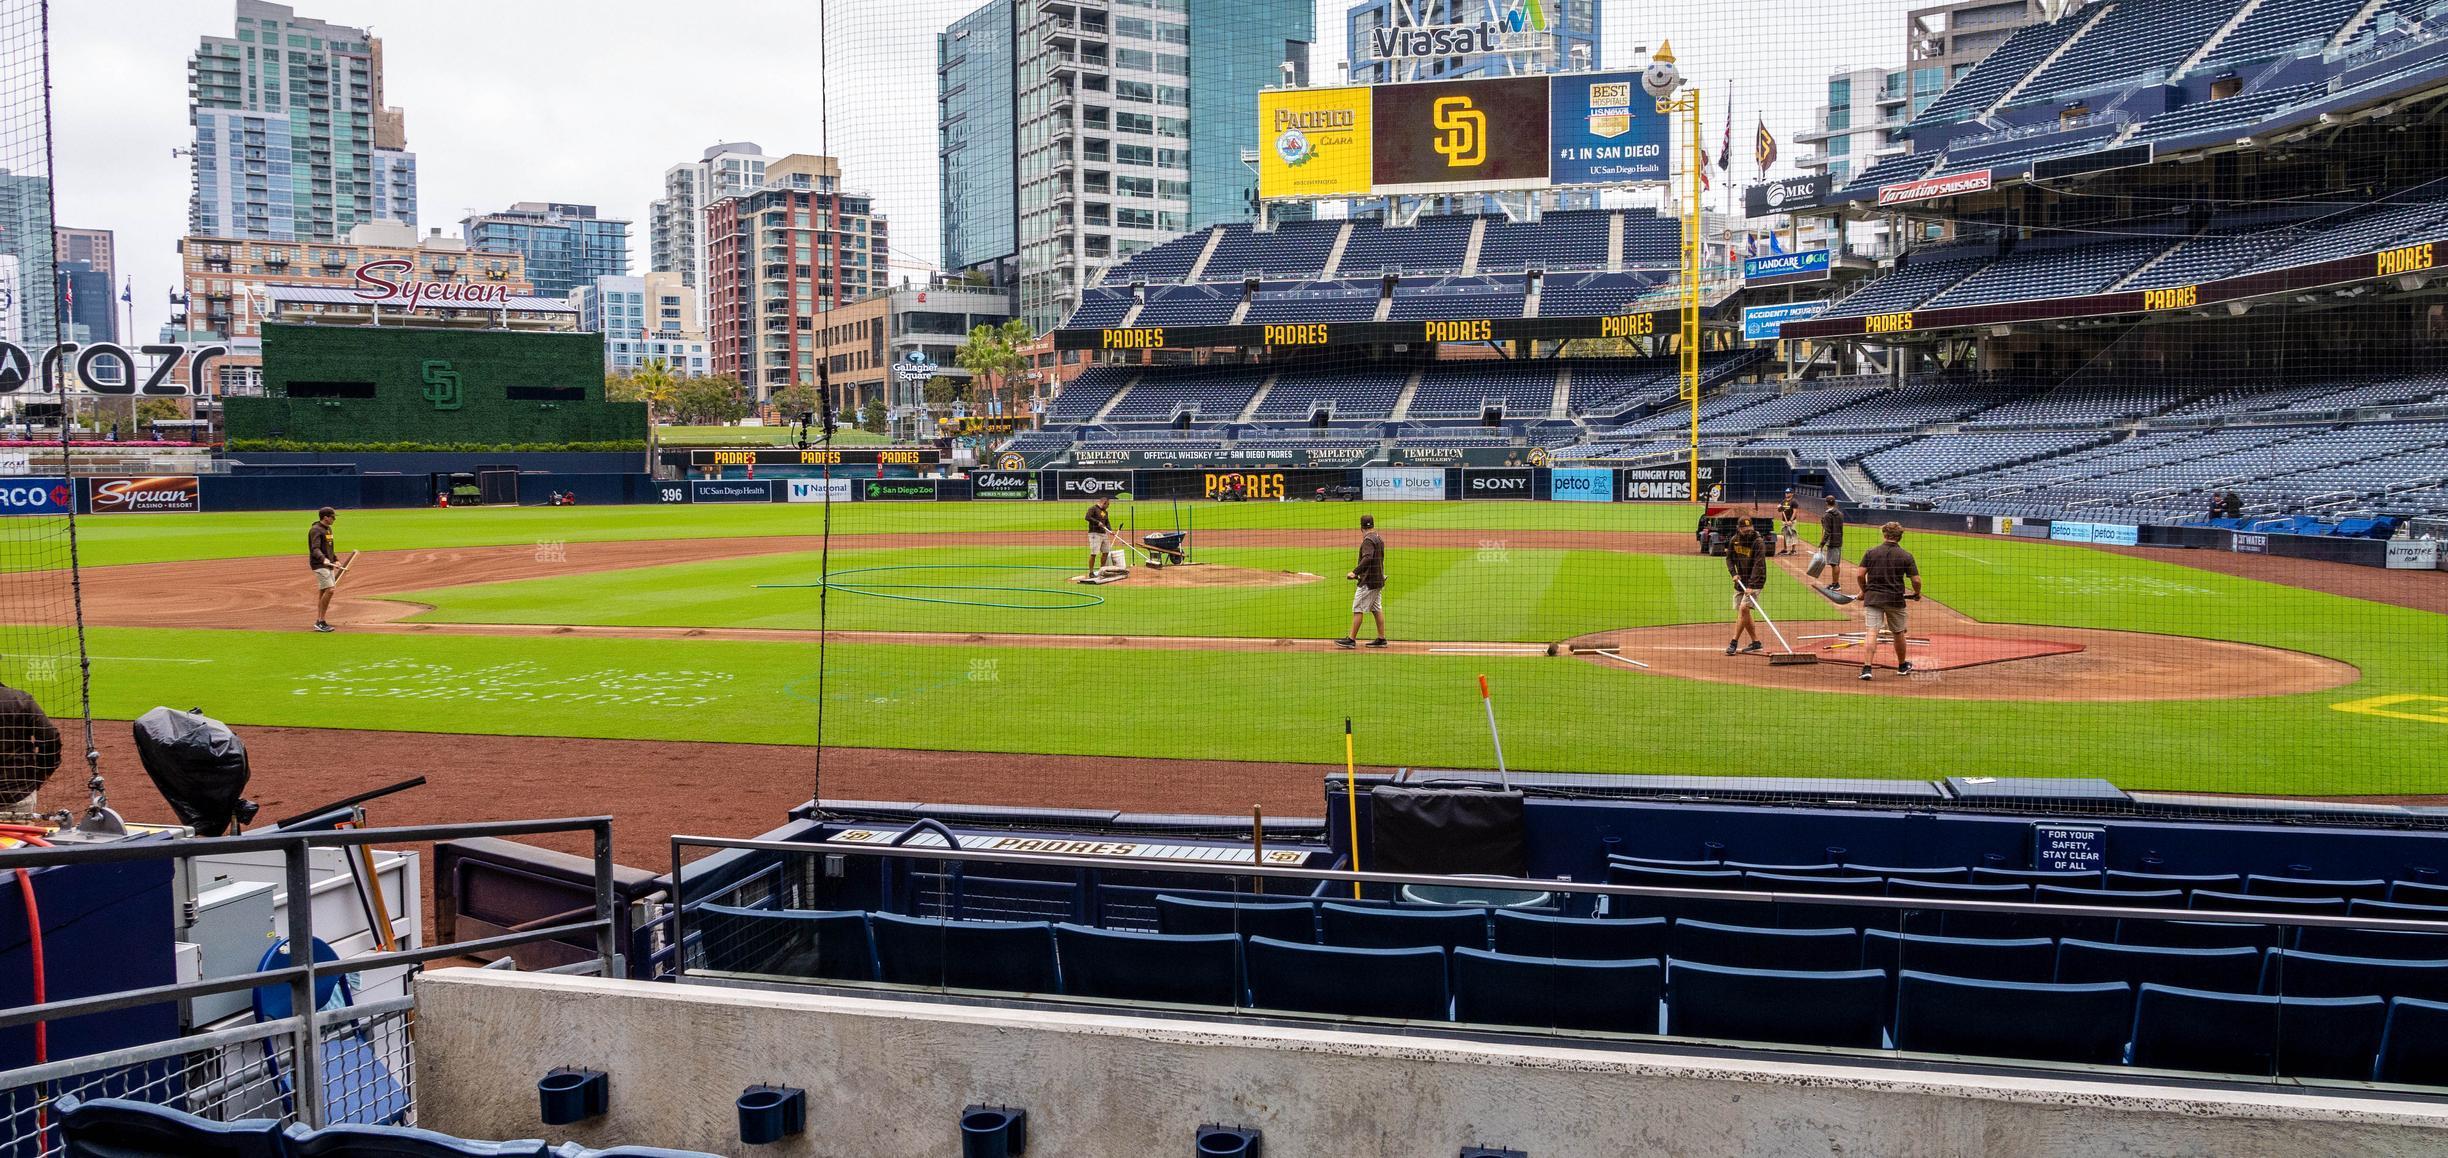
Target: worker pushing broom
1747,561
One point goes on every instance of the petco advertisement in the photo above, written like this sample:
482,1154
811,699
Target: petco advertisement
731,490
1089,485
1581,485
35,496
818,490
2106,534
154,493
1394,484
1496,484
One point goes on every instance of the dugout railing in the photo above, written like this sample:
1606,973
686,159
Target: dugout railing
346,1063
2234,988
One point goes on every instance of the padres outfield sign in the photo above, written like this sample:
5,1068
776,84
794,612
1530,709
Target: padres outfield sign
1364,333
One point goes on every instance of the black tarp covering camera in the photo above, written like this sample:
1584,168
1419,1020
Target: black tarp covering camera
199,765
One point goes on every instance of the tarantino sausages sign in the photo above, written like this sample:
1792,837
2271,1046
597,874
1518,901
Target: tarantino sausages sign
120,495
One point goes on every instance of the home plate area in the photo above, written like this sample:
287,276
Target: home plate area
1936,652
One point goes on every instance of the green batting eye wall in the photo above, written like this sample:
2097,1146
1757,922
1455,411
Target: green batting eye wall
357,384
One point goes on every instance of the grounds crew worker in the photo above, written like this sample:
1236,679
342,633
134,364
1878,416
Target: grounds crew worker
1368,597
1787,540
1831,543
1747,561
1884,572
1100,532
29,746
325,563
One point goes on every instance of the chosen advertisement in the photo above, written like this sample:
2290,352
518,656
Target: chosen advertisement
1460,134
1581,485
731,490
36,496
180,493
1395,484
1604,130
1002,484
1767,323
1314,142
1649,484
1089,485
896,490
817,490
1498,484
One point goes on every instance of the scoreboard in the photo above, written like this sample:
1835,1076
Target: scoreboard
781,456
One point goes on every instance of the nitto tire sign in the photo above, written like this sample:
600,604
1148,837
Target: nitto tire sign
1092,484
150,494
1497,484
999,485
35,496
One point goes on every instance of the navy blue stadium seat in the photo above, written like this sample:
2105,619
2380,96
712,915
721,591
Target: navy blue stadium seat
1013,955
2261,886
2385,943
2264,903
1845,1008
1945,875
2232,1033
1963,924
2418,893
1611,996
1653,876
117,1128
403,1142
2152,882
1405,983
2397,910
1787,870
1947,890
2120,898
2005,876
784,942
2019,959
2414,1046
1360,928
1657,862
1806,950
2217,970
2200,934
1534,935
1959,1015
2293,973
1189,969
1859,886
1292,922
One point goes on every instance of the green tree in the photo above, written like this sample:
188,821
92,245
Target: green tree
992,355
709,401
943,390
653,383
873,418
797,399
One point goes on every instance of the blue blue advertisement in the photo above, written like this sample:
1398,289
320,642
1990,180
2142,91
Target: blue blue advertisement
1809,263
35,496
1581,485
1604,130
1764,323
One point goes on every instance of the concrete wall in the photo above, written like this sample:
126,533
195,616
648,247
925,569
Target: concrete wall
889,1078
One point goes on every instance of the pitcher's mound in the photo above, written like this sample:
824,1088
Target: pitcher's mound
1213,575
1940,652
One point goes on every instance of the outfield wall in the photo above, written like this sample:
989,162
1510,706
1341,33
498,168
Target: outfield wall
892,1077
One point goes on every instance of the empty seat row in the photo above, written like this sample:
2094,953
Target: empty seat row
1626,869
121,1128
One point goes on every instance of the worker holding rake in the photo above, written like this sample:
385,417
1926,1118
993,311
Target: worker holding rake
325,563
1747,561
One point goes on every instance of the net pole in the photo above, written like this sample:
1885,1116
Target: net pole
1351,801
95,804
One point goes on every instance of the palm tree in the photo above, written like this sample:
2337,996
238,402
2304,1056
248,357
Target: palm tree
655,384
992,355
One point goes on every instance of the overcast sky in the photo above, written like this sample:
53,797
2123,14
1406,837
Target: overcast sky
517,100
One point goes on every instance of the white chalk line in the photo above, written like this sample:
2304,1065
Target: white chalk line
117,658
1621,659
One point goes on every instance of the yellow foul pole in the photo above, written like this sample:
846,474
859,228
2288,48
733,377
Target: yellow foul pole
1688,103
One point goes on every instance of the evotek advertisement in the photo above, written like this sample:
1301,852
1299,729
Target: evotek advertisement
1314,142
1090,485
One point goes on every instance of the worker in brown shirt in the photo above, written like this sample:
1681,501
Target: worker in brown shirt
1885,572
1368,591
1747,561
1831,543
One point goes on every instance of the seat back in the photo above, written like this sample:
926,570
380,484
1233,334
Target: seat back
118,1128
1189,969
2369,890
1619,873
1785,870
1404,983
2185,882
1008,955
2199,934
1609,996
2397,910
1958,1015
2418,893
2211,899
1805,950
2387,943
403,1142
1837,1008
1283,922
2216,970
2126,898
2005,876
1945,875
2294,973
1588,939
1361,928
785,942
2313,1037
2414,1046
1859,886
2013,959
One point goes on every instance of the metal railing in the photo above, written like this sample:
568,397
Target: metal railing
300,977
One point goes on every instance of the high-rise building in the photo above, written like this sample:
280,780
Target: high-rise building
1868,109
676,223
26,241
889,344
780,256
287,134
1557,35
95,247
566,245
641,319
1071,135
88,302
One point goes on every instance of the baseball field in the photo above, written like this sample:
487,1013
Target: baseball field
957,631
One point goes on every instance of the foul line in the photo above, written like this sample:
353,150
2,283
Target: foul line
115,658
1620,659
1487,651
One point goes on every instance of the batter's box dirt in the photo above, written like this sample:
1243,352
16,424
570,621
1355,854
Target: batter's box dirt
1942,652
1215,575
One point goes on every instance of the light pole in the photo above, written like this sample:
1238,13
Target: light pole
1660,80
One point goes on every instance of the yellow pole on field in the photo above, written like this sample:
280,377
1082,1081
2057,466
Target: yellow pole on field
1693,222
1351,802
